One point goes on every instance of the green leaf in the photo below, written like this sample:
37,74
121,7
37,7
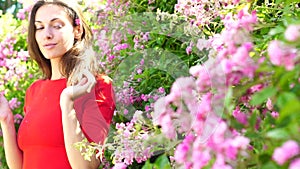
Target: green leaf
264,158
284,98
269,165
279,133
162,162
148,165
277,30
291,108
259,97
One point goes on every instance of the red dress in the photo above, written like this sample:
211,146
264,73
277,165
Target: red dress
40,135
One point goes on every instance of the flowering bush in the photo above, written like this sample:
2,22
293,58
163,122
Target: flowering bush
199,84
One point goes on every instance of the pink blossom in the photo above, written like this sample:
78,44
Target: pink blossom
240,142
181,152
142,62
167,126
295,164
111,57
240,116
139,71
144,97
220,163
200,158
146,36
125,112
137,115
120,166
120,126
161,90
269,104
183,148
121,46
202,44
147,108
18,118
231,152
203,82
274,114
218,136
281,55
292,33
288,150
189,50
255,88
21,14
227,65
14,103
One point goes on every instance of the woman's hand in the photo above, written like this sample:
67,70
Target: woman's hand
85,86
5,112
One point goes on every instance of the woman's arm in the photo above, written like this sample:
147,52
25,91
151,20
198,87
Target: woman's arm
14,156
71,126
72,135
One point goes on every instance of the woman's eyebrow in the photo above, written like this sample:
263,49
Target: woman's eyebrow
50,20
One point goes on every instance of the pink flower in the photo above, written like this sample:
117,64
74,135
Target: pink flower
240,116
183,148
292,33
139,71
120,166
21,14
281,55
288,150
147,108
111,57
202,43
189,50
295,164
220,163
274,114
181,152
203,81
14,103
151,2
269,104
231,152
121,47
125,112
77,21
18,118
200,158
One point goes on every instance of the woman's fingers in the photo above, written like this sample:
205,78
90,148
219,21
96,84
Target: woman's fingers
4,108
84,86
91,81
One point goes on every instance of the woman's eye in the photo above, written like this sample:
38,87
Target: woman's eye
58,26
39,27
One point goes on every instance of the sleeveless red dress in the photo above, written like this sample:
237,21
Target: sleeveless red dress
40,135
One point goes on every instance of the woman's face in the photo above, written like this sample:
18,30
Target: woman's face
54,31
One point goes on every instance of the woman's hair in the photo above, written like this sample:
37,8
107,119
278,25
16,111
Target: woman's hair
79,57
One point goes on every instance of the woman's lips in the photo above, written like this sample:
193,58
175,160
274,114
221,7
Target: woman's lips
49,45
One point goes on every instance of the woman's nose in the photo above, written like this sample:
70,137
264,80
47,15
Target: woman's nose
48,33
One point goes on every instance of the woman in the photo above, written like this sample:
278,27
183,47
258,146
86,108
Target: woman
72,102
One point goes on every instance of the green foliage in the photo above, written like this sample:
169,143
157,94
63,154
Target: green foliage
162,162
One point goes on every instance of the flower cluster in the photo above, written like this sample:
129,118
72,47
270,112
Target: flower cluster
127,145
282,54
288,150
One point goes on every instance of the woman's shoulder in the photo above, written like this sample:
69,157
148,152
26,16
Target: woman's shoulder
35,83
103,79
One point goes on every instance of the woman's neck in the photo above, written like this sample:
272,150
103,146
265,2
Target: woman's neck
55,70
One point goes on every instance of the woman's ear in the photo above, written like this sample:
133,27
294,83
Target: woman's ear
77,32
